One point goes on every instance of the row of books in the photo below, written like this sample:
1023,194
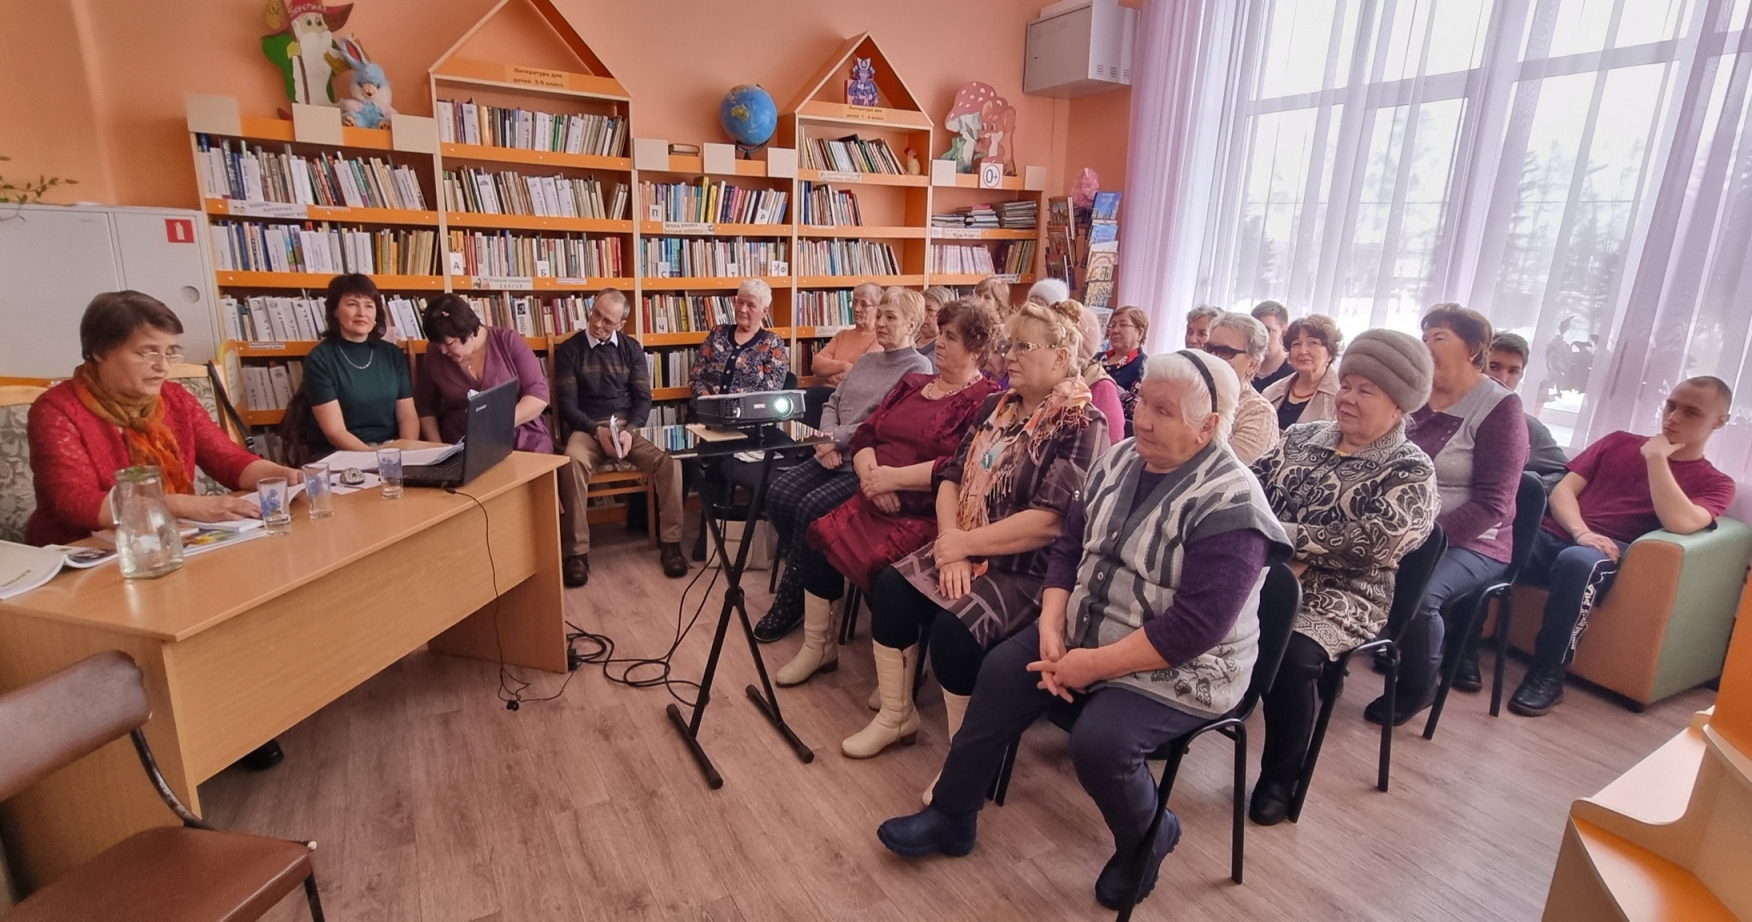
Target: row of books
722,257
1011,257
668,414
708,203
669,367
250,247
510,192
272,318
255,174
829,307
505,254
846,257
531,315
469,122
1020,215
825,206
850,154
803,356
271,386
669,313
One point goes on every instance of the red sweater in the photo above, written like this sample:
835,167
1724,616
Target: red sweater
74,456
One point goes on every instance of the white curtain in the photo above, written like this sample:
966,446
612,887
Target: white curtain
1578,170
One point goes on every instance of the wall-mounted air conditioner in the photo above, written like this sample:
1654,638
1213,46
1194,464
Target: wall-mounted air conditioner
1079,47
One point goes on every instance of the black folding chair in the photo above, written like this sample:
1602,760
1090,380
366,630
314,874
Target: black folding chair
1409,584
814,399
1279,598
1470,610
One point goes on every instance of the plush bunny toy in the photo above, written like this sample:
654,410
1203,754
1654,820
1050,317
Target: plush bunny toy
369,107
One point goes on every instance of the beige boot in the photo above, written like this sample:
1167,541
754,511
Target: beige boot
820,651
912,668
898,720
954,710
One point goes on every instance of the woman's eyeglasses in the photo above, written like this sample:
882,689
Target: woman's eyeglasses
152,356
1226,353
1022,346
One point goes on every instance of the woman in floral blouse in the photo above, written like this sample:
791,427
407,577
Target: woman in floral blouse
1355,496
742,357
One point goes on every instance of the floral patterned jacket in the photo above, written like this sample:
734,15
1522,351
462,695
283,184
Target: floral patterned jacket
1350,518
722,367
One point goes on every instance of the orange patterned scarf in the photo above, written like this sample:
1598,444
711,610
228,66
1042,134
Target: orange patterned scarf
149,440
999,446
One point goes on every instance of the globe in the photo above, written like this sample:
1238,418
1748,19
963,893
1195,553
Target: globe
748,116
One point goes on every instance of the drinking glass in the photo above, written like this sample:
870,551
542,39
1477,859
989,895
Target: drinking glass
389,469
276,514
319,492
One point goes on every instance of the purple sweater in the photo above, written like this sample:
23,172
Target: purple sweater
1206,603
1479,446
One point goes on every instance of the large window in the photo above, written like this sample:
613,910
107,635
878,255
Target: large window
1385,155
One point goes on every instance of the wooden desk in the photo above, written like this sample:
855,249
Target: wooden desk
243,642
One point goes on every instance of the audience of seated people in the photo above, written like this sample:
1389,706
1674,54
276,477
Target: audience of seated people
896,454
1240,340
1620,488
1000,503
1276,363
601,375
1103,390
811,489
1148,620
1355,495
356,381
1309,393
937,297
1473,431
1198,325
1508,362
996,292
1124,357
836,358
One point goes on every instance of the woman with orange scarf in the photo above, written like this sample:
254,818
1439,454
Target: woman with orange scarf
121,410
1000,504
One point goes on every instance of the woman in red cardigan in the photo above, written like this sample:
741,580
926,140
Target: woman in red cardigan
120,410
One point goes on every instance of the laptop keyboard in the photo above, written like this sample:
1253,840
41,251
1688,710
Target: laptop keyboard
446,471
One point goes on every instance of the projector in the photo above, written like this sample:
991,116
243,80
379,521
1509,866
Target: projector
748,411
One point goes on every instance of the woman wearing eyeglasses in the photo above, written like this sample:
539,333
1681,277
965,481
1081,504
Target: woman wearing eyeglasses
1240,340
121,410
1124,358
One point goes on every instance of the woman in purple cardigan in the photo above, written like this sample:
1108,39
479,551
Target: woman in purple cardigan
1474,431
464,355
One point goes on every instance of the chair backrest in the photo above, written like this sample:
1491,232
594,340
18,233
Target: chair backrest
814,401
1413,578
1529,512
1279,599
17,484
59,719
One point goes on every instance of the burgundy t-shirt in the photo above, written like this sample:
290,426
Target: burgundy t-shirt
1617,502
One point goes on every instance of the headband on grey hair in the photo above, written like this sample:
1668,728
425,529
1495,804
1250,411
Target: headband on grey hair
1205,373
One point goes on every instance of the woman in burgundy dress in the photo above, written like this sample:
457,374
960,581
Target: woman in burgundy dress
913,432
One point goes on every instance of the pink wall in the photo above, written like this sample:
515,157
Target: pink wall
98,91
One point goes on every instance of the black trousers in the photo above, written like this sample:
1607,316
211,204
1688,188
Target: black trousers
1290,709
900,615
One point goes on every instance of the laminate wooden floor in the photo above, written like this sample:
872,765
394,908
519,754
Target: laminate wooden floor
430,801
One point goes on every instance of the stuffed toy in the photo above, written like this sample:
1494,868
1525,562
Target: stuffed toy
302,46
369,107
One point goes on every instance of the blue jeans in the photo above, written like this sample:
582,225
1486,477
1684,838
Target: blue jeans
1420,643
1577,579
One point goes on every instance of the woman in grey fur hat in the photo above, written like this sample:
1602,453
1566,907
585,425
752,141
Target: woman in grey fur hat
1317,480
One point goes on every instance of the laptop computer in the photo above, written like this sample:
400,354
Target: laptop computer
492,417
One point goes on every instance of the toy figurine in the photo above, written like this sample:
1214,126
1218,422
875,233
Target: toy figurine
912,163
861,89
302,46
369,107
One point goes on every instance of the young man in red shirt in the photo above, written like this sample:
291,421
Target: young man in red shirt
1620,488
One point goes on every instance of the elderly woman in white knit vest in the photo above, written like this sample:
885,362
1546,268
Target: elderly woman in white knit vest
1149,618
1355,496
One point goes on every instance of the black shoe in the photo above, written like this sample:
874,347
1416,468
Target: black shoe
1113,889
1408,707
1540,691
699,548
576,570
1271,802
674,565
1380,661
263,757
928,832
776,625
1467,678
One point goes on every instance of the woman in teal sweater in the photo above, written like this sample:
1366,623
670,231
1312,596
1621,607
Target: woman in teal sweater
358,385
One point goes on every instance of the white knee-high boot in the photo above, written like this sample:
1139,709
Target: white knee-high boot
912,668
898,720
954,711
820,651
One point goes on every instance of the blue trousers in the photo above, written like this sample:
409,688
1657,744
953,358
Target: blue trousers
1577,579
1117,729
1420,643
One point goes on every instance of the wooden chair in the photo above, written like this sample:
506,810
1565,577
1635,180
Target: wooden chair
187,873
17,490
616,478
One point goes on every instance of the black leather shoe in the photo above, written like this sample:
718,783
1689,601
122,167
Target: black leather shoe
776,625
1540,691
674,565
1466,677
1408,707
576,570
928,832
1113,889
1271,802
263,757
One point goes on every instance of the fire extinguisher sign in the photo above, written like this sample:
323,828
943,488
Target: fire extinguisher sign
179,230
